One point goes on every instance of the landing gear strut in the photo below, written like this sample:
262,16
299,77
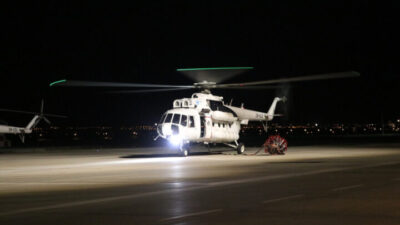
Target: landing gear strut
183,150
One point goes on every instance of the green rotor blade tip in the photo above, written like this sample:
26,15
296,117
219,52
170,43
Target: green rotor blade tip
57,82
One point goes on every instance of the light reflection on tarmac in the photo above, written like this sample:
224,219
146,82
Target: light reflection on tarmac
327,184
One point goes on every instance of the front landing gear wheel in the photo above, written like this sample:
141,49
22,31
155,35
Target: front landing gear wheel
183,150
240,148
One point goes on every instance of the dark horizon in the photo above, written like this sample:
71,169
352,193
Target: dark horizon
147,42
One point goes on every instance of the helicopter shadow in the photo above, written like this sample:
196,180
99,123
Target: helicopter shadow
144,156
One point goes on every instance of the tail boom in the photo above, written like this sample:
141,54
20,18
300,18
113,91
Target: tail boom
251,115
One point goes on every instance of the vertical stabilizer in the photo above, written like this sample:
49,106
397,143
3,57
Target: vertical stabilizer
271,111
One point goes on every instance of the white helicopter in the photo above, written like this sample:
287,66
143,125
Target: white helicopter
204,117
22,131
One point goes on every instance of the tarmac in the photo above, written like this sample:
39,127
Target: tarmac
344,184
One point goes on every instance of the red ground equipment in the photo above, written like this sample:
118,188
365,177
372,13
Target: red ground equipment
275,145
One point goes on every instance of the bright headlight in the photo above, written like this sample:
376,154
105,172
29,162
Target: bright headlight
166,130
175,140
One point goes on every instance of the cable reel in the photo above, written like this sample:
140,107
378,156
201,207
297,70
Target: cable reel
275,145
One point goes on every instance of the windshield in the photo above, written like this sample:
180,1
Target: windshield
176,118
168,118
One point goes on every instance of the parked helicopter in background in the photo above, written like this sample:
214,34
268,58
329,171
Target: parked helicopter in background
22,131
204,117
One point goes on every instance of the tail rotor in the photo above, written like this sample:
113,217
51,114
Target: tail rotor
41,115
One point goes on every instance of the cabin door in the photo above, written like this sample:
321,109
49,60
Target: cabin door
202,126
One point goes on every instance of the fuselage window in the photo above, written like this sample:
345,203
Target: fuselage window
168,118
176,118
191,121
219,125
219,106
184,120
223,125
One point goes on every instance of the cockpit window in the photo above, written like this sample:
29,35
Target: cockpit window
184,120
162,118
168,118
176,118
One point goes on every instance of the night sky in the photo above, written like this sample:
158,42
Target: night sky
44,41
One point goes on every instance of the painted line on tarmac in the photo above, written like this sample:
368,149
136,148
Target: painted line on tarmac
178,190
93,164
282,199
347,187
293,175
192,214
80,203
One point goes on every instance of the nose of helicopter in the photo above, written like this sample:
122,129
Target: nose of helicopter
167,129
170,132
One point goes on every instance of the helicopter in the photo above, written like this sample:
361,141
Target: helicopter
205,118
22,131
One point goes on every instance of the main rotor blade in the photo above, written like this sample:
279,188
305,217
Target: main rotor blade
41,107
77,83
46,120
19,111
213,74
147,90
55,115
259,87
294,79
31,113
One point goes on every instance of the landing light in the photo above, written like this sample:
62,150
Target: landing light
175,140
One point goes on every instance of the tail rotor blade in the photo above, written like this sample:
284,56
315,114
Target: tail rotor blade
42,107
46,120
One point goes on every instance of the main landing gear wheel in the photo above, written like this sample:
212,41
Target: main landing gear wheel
183,150
240,148
276,145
